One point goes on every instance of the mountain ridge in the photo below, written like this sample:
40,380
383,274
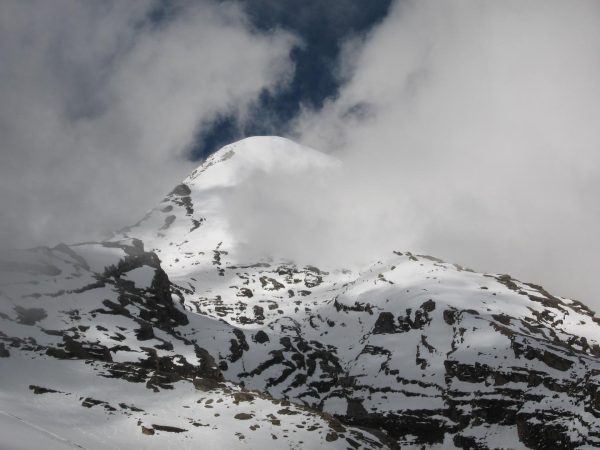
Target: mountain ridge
405,352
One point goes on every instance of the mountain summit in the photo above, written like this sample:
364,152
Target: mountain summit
167,335
197,214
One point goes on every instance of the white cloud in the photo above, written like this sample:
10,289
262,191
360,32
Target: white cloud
468,130
98,105
475,127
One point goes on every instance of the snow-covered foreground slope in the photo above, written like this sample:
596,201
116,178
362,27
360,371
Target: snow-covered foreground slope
168,336
94,355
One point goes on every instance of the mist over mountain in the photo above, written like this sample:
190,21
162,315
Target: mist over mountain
258,223
455,122
181,328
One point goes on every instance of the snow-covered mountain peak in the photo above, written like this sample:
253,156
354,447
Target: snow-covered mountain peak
189,340
196,215
256,156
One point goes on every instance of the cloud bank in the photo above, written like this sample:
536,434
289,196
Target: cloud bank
474,126
468,131
101,100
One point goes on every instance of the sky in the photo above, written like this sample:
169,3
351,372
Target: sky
323,29
467,129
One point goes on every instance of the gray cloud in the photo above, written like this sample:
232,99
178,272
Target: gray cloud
484,122
98,105
469,130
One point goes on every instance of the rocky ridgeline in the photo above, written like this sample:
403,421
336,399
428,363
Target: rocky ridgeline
425,351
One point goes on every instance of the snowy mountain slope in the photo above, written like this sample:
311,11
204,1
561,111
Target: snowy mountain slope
417,347
418,351
92,356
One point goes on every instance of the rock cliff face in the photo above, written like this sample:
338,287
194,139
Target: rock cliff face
167,334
